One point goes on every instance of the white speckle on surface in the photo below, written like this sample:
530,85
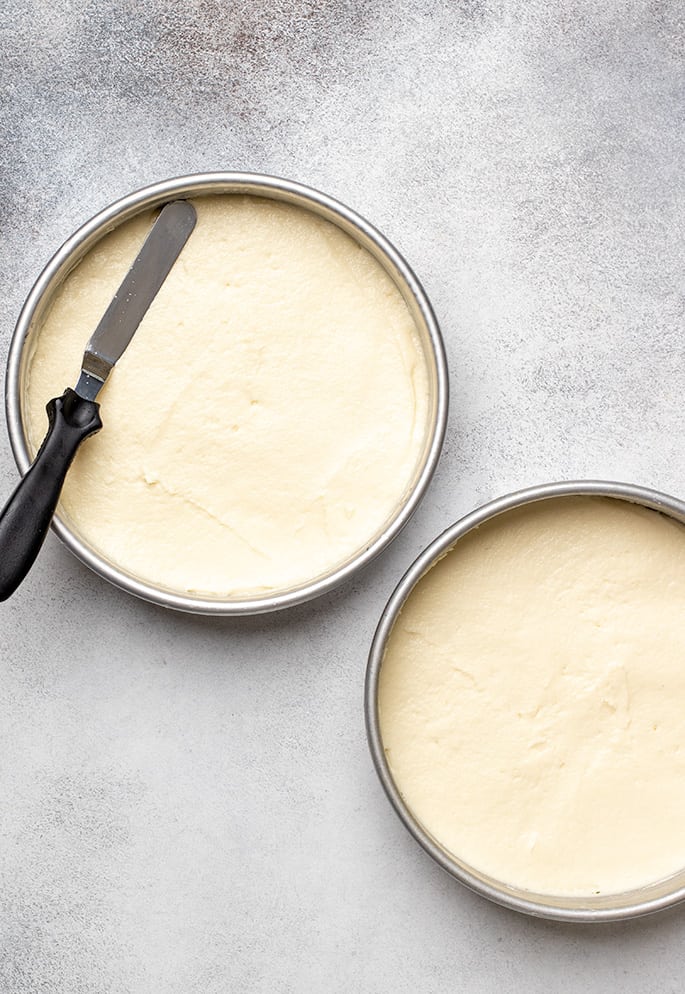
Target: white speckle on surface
188,805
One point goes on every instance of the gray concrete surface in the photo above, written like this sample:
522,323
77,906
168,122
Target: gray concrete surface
187,806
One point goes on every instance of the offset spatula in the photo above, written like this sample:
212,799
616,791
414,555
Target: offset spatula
74,416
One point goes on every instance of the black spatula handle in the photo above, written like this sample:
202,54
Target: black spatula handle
25,520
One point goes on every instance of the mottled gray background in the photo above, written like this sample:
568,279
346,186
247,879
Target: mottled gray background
187,805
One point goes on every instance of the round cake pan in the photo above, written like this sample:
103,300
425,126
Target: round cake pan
613,907
73,250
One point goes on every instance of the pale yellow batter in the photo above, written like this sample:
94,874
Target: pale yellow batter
532,698
268,417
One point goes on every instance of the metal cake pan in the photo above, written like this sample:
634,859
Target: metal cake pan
615,907
73,250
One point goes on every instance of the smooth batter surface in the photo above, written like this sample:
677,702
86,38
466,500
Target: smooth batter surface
532,698
267,418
